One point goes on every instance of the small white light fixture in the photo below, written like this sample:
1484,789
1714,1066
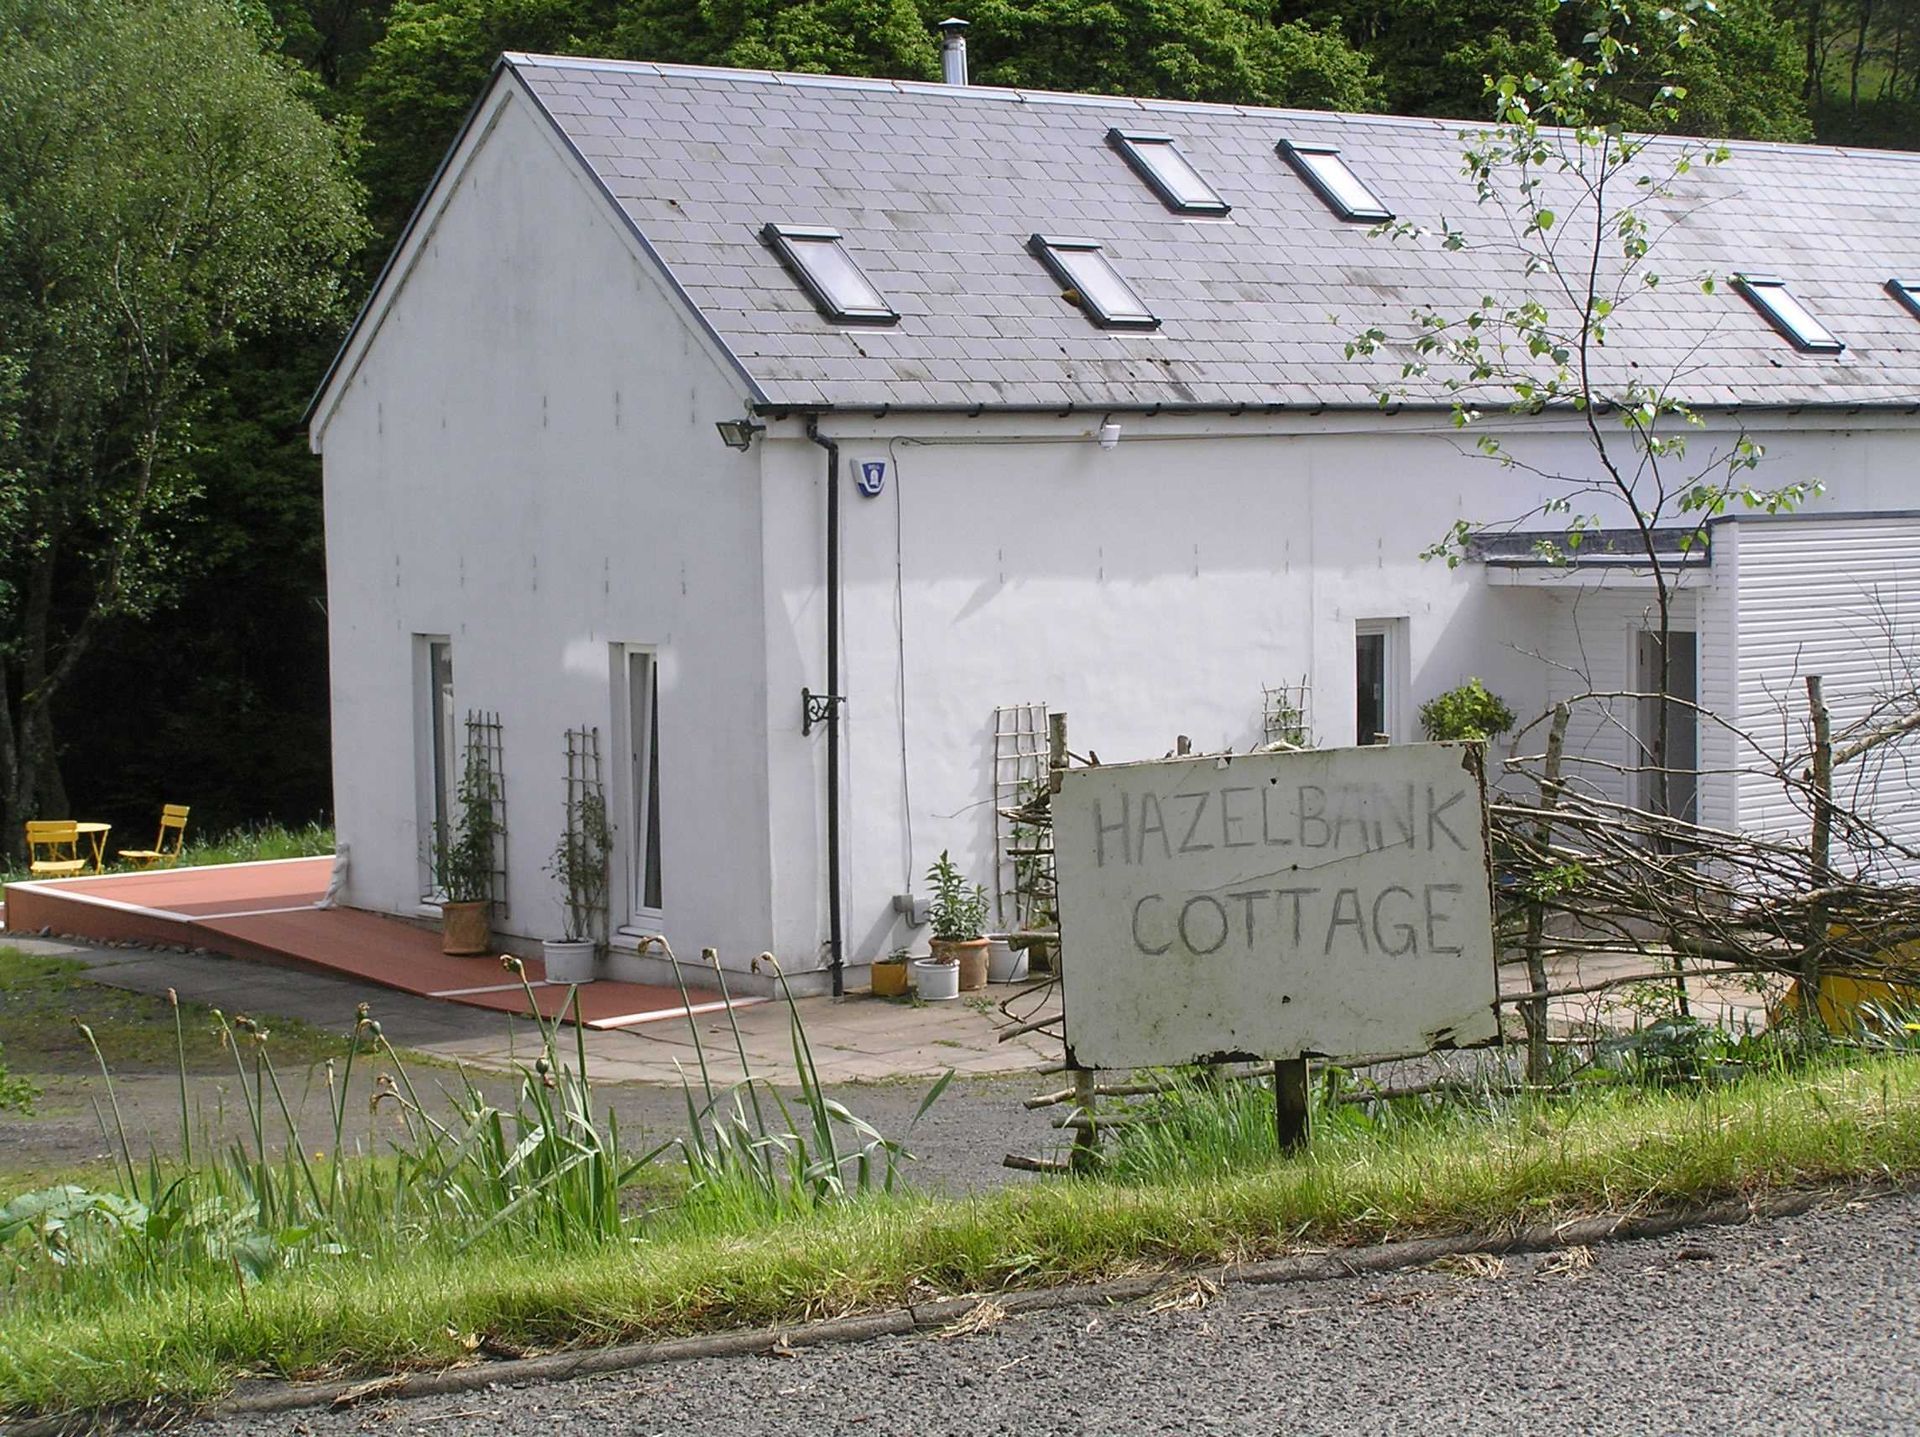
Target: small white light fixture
738,433
1109,434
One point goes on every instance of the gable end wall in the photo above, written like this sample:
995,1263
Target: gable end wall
524,460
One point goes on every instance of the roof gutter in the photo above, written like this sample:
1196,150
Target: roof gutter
773,409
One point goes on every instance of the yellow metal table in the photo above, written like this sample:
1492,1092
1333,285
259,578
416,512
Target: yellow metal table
95,836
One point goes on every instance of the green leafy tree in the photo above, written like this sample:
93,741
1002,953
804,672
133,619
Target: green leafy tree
1733,71
1228,51
169,189
1740,64
332,38
1433,57
838,37
424,74
1577,200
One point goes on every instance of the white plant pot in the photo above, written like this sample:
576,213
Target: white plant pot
935,982
568,962
1005,963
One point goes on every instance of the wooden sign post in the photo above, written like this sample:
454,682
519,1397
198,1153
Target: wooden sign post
1277,906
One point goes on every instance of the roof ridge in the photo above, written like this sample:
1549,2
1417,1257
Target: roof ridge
934,89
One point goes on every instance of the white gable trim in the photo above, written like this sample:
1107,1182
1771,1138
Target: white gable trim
507,89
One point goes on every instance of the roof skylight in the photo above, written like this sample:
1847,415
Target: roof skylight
1344,192
1781,309
1907,291
1078,264
828,274
1168,173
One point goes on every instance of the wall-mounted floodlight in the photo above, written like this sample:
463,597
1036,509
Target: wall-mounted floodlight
1109,434
738,433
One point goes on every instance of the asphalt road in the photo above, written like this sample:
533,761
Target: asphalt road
1801,1325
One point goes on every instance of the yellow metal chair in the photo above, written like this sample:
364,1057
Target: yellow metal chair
166,848
53,848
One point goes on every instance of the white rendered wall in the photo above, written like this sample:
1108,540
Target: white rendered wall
1150,591
525,461
1147,592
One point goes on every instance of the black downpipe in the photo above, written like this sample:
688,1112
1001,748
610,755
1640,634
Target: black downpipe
835,946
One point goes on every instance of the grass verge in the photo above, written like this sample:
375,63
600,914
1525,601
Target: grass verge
253,843
42,1000
705,1267
260,842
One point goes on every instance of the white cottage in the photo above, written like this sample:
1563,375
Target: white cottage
791,433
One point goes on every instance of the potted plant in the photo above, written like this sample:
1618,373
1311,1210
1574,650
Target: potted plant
463,861
1005,963
890,975
1467,712
579,863
958,916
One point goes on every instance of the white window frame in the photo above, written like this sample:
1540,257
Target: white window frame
1395,674
434,784
1073,262
1789,315
630,831
1329,176
800,246
1159,160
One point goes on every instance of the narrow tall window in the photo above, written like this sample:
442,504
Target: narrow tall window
1158,160
1079,267
1344,192
1379,656
1782,309
436,746
640,698
828,274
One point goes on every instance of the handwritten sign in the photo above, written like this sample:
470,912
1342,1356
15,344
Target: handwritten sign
1274,905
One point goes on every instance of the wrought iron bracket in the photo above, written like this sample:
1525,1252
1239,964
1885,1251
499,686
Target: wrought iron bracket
816,709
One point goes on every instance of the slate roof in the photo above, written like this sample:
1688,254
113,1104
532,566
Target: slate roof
937,188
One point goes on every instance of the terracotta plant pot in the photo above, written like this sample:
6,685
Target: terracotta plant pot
466,928
568,962
889,977
934,981
971,956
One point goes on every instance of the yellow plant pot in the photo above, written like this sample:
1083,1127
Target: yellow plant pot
890,978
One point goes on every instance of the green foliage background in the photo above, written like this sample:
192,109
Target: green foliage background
216,694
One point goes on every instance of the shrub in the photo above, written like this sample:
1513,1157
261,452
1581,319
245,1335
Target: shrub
16,1094
958,914
1466,712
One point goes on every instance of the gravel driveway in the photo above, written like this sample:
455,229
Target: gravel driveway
1798,1325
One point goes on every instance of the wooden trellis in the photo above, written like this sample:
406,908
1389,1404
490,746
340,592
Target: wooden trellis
1023,852
585,785
1286,714
483,739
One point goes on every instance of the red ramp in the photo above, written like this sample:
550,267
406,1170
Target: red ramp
266,912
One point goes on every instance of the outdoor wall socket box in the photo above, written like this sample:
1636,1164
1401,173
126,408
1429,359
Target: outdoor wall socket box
912,908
